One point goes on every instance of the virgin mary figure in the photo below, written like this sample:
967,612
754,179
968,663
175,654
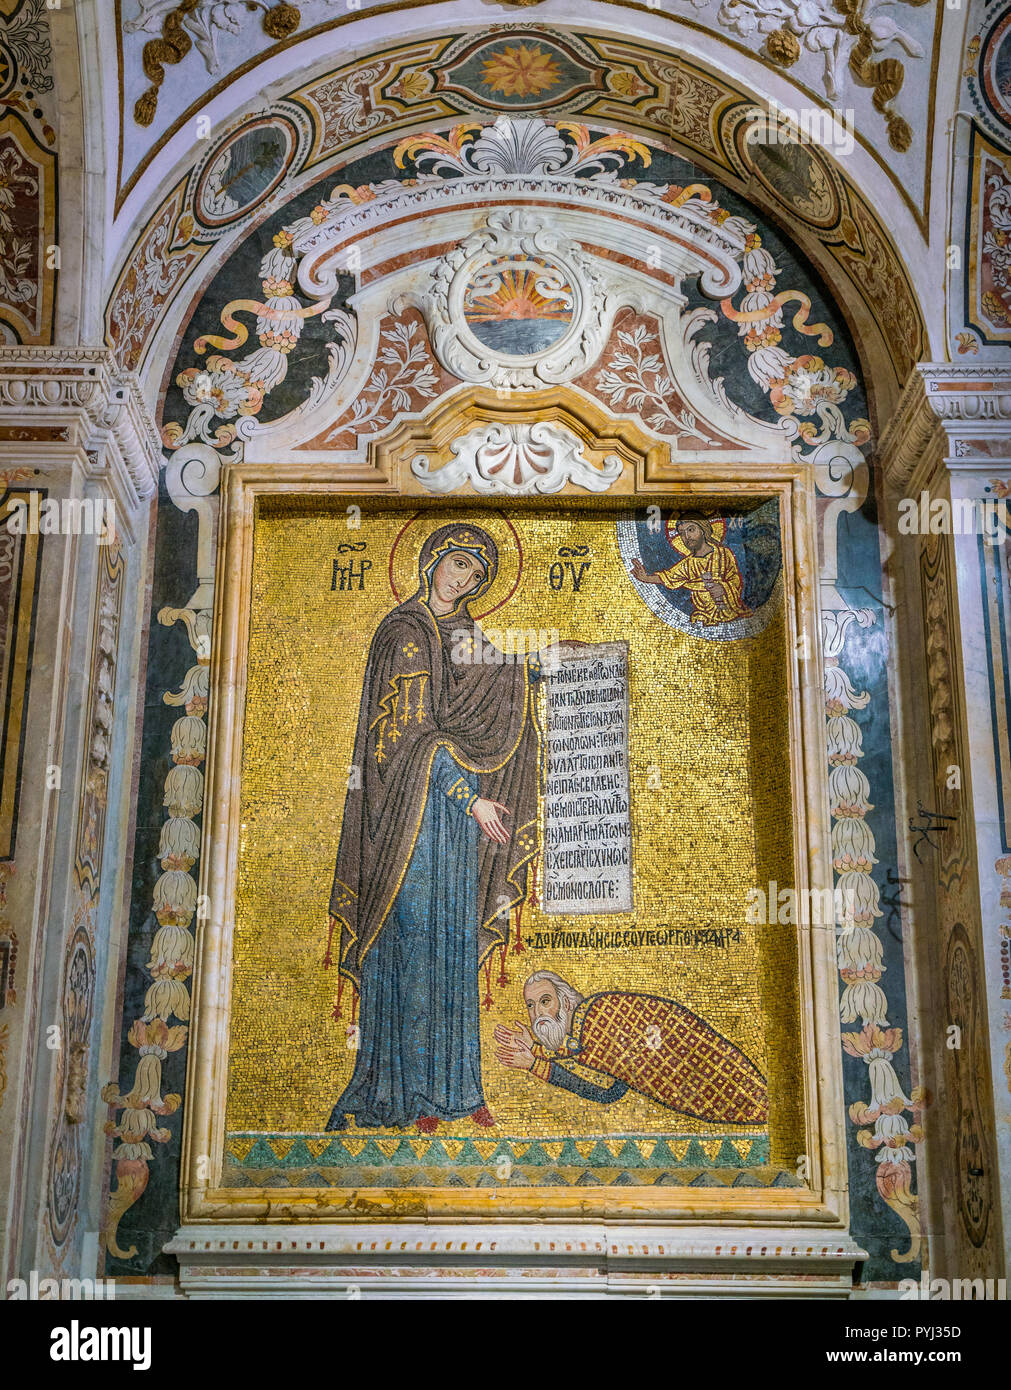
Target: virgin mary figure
435,842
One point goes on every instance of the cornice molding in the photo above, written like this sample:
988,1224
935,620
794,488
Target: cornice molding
709,250
940,405
81,399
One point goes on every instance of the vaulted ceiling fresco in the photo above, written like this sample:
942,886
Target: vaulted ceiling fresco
311,311
264,158
874,62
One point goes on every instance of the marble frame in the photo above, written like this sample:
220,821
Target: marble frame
799,1225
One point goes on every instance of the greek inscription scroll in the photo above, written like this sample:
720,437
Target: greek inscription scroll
587,827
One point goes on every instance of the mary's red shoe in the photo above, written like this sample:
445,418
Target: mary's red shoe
427,1124
484,1118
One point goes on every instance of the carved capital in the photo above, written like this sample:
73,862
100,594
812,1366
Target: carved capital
77,403
948,414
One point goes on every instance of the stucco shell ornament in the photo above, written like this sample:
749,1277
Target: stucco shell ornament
518,458
516,305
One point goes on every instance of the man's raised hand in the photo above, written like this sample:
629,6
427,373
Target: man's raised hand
640,572
519,1032
515,1053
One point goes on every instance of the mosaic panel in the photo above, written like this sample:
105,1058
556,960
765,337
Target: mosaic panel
661,1046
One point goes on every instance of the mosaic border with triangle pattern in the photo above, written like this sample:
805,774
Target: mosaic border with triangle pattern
331,1160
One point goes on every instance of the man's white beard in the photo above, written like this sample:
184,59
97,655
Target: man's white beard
551,1031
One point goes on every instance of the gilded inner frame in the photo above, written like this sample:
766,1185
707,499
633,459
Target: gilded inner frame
264,1068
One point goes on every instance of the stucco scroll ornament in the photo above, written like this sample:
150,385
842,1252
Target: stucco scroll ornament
522,147
516,459
179,24
516,305
997,249
846,33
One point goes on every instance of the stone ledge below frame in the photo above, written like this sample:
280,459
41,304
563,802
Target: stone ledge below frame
514,1261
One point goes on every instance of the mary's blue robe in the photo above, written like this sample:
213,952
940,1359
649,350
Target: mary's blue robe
419,1048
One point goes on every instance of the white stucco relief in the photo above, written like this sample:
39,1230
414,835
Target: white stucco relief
526,457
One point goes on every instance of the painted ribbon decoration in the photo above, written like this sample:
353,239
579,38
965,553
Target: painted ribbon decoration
263,311
691,190
799,320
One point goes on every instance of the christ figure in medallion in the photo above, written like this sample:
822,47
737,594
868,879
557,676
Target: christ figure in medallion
434,842
709,570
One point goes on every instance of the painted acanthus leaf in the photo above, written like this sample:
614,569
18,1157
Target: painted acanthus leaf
528,146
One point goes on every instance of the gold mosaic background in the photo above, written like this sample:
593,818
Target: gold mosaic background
710,715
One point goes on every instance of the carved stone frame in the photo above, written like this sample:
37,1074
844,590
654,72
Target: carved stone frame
303,1240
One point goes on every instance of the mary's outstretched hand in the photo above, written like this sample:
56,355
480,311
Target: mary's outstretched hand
488,815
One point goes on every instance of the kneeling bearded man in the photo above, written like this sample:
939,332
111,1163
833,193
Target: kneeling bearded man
642,1042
